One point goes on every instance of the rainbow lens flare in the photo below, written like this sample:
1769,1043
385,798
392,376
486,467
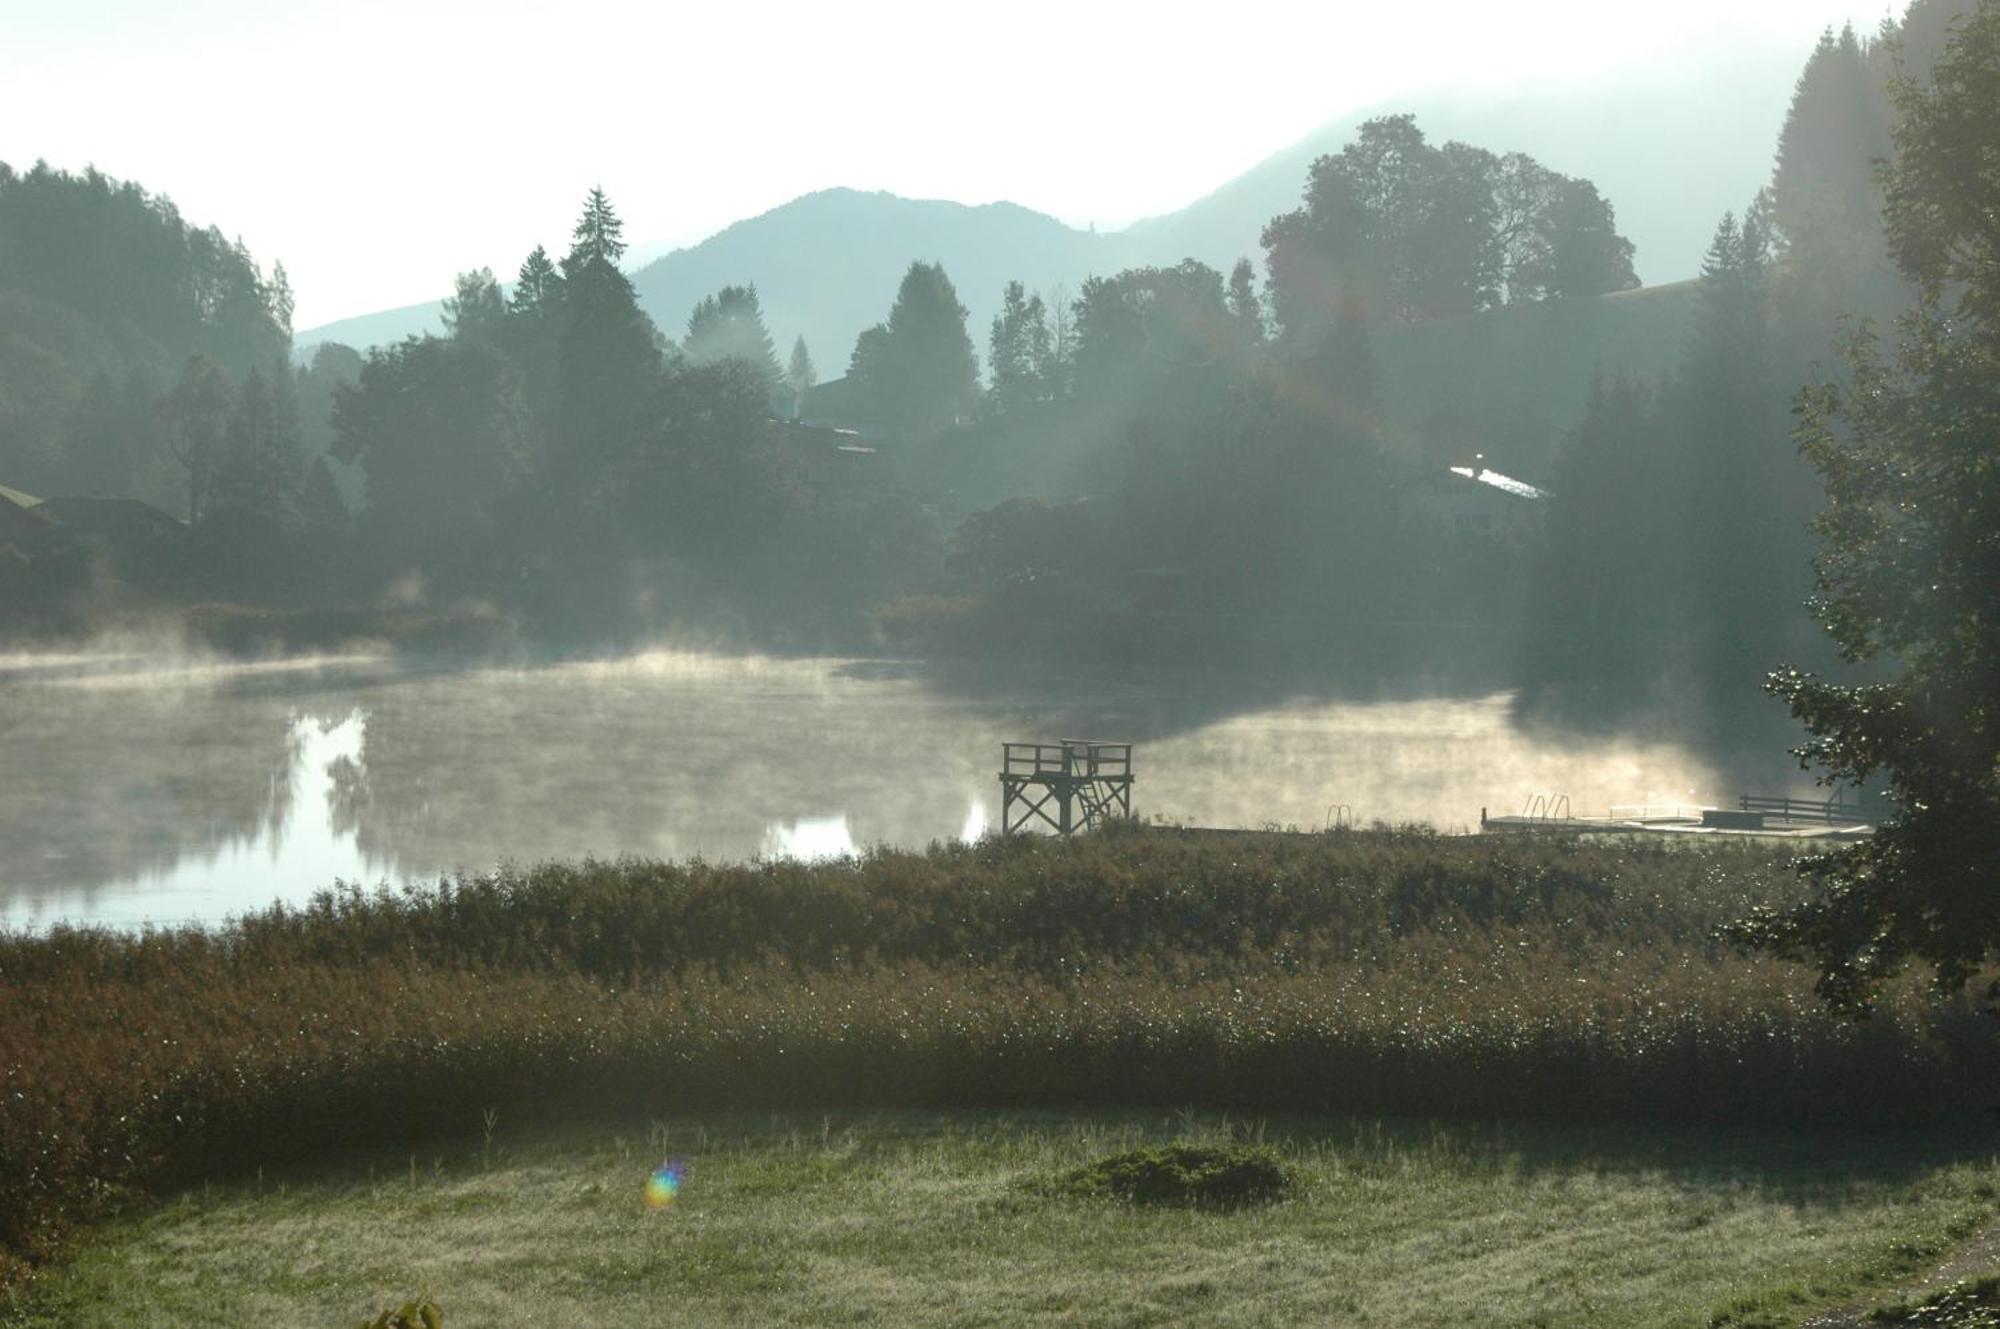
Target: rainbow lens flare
665,1183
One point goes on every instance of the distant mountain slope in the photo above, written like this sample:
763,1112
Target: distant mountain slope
381,328
1671,156
827,265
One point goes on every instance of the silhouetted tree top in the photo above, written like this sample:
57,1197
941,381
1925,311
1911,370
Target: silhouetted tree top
917,372
1244,307
730,325
800,375
1394,228
598,234
1020,351
476,309
539,283
1944,193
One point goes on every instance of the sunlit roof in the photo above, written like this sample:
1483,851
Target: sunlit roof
19,499
1506,484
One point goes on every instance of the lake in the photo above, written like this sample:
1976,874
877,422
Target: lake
134,791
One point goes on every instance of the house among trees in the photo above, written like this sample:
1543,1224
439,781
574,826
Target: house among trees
824,458
56,538
1473,502
22,519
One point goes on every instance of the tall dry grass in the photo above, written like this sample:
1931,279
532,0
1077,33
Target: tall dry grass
1385,971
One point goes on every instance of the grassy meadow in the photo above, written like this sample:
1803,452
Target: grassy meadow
922,1219
1567,987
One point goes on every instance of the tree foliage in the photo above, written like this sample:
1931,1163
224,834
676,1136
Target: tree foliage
476,309
1020,351
729,325
1395,228
1908,568
438,430
800,376
917,372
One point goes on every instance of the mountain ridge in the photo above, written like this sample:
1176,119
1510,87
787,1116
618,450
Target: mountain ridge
826,263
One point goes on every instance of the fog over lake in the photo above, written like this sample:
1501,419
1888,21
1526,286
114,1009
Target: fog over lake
138,793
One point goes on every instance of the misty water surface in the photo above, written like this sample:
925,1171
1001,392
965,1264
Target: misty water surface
134,792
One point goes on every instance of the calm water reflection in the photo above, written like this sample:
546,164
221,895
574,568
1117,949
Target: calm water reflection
132,793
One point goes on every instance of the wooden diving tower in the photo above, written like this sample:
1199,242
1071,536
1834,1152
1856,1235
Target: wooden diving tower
1083,781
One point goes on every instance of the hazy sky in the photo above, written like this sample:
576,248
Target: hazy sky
379,146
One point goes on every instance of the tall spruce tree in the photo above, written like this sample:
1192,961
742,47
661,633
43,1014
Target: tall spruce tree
608,358
194,422
1826,204
729,325
800,376
538,285
262,463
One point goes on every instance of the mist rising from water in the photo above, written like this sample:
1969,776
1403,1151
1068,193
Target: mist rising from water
202,787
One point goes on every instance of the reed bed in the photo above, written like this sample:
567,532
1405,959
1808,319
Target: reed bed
1386,971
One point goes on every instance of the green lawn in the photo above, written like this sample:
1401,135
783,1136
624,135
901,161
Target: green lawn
933,1219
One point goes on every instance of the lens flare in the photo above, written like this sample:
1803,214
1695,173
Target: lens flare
665,1183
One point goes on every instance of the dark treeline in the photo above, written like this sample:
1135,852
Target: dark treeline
1678,560
1166,463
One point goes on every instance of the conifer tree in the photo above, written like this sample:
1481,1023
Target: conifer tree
321,508
729,325
538,286
599,235
193,419
608,359
1826,204
262,464
800,376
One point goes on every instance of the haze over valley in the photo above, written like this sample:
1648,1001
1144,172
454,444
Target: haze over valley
896,664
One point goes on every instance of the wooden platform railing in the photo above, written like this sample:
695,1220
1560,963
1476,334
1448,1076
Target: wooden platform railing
1072,756
1831,811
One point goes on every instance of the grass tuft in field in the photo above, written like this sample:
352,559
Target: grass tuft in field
1202,1176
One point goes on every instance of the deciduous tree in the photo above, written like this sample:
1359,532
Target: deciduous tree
1909,570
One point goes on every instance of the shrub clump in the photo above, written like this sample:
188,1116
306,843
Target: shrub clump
1199,1176
423,1314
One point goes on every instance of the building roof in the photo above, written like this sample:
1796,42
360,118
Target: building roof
17,498
1506,484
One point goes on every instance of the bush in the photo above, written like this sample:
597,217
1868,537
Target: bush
1201,1176
410,1315
1963,1305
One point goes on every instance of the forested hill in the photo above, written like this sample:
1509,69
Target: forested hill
1670,156
105,294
